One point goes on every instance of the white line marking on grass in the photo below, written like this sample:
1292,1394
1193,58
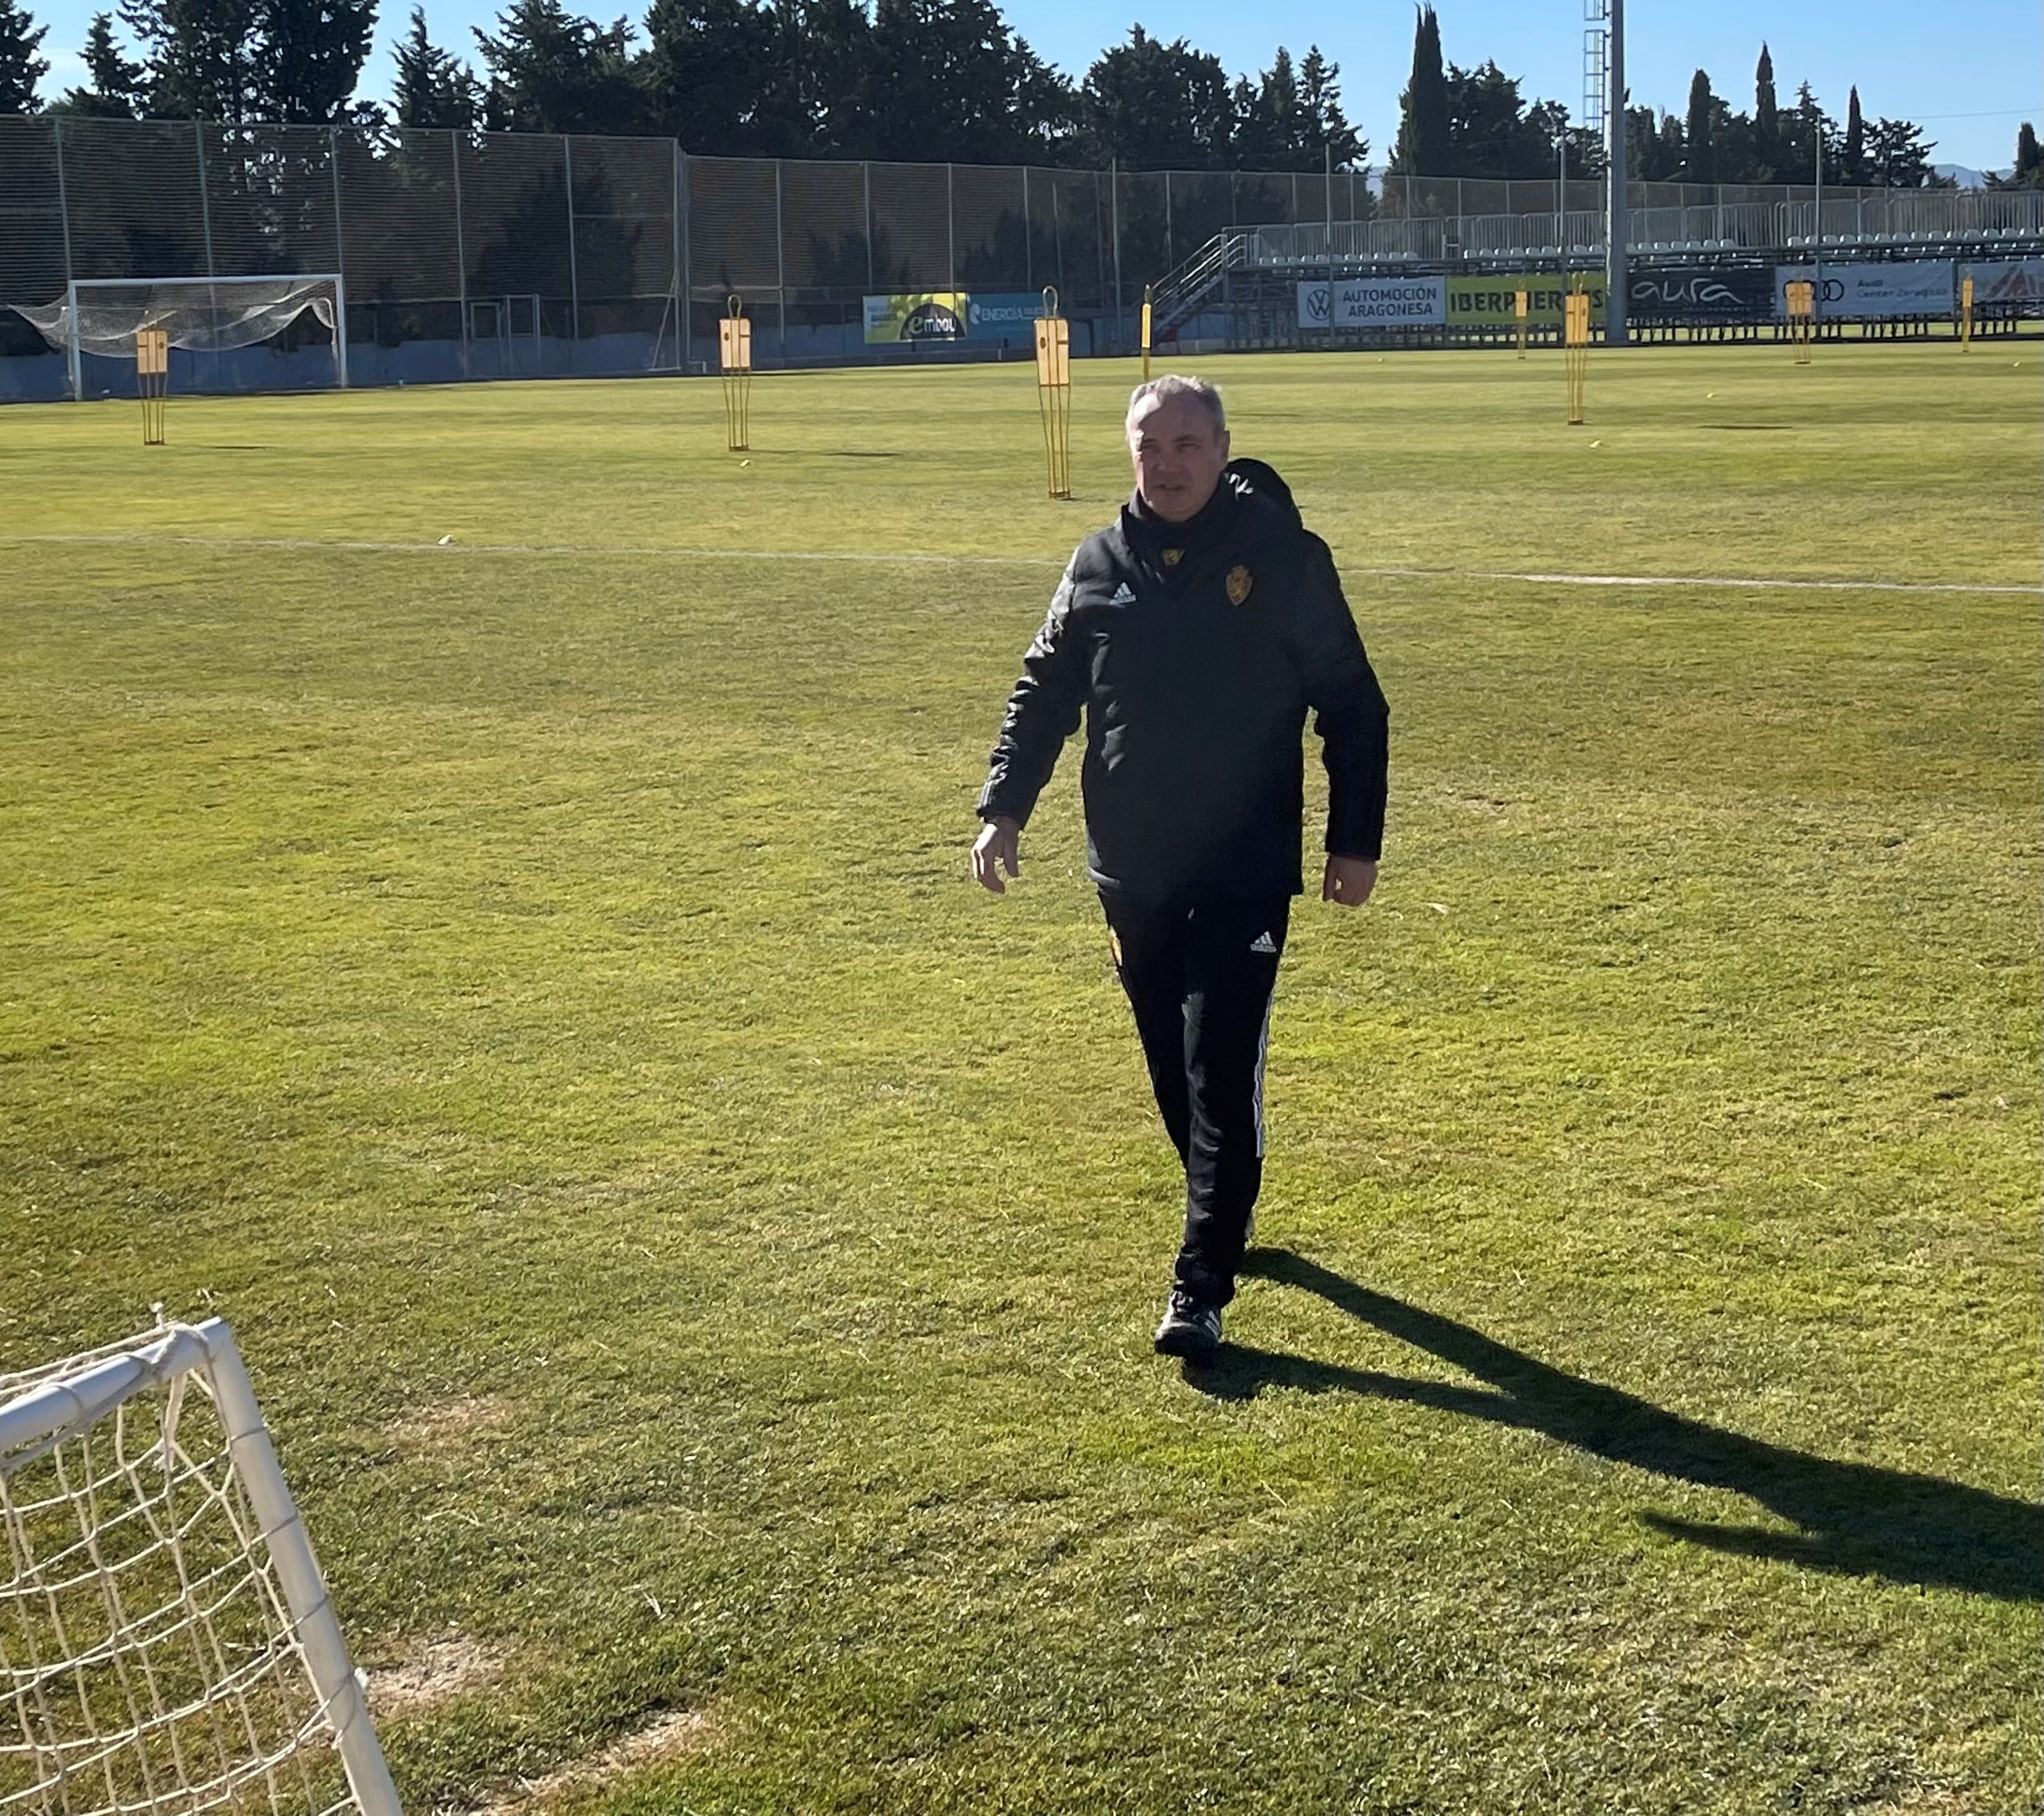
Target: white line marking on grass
1719,581
585,551
614,551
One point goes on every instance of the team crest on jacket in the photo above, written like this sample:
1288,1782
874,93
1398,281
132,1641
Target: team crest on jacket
1239,583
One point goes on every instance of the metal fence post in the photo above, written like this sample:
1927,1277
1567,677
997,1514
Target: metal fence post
1114,216
950,228
675,254
333,166
205,209
1057,235
1170,249
72,363
63,200
1327,202
340,257
780,262
686,202
574,274
461,254
205,221
1029,238
1099,241
866,198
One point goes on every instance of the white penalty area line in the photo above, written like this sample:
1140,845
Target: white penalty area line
881,558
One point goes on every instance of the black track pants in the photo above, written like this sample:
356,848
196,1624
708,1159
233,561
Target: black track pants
1199,979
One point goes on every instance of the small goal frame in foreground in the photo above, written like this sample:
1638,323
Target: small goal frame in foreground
167,1642
79,288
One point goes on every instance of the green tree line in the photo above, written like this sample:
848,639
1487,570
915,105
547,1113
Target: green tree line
924,80
1475,123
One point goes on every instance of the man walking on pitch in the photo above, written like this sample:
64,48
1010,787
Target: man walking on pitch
1193,636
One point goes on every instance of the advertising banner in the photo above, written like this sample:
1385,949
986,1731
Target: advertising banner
1909,286
1487,301
1373,303
924,315
2006,280
1695,293
1004,316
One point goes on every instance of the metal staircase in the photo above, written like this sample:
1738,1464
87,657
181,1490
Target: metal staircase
1179,296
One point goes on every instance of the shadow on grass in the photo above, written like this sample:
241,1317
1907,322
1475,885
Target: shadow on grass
1853,1517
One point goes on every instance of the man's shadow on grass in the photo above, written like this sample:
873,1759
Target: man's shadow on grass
1852,1517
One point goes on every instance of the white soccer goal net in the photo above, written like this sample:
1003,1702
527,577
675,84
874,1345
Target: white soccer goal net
300,319
166,1642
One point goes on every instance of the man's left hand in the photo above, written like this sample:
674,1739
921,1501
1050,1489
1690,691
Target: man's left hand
1349,880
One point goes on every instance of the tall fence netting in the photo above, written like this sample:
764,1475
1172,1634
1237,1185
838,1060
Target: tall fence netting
469,255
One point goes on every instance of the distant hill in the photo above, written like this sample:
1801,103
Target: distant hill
1965,177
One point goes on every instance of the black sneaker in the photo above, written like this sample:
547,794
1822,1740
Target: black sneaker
1190,1329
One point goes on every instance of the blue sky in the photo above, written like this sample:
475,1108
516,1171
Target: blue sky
1968,72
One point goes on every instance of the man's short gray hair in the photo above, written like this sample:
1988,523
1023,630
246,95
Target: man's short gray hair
1171,385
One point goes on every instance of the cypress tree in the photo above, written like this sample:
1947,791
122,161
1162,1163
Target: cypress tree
2029,158
1767,116
1856,141
1423,148
1702,162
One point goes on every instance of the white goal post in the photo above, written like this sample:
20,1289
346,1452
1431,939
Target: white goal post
167,1644
102,315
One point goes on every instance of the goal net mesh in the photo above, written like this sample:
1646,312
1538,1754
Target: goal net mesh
149,1659
208,315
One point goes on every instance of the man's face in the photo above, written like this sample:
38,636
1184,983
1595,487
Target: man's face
1178,454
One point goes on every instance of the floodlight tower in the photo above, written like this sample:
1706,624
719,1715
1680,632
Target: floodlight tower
1603,104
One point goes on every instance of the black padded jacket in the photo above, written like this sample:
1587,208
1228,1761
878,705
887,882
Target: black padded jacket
1194,653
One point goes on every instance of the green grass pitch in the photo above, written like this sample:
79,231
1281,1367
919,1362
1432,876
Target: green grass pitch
697,1250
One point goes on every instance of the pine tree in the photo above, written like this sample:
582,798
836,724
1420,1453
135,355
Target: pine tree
311,57
1278,113
1158,106
202,56
1655,149
433,87
1767,120
1320,102
557,72
1805,129
1853,163
1423,143
834,79
1899,156
1490,134
704,67
114,86
20,67
950,81
1701,163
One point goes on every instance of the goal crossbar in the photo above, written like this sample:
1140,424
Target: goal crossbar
65,319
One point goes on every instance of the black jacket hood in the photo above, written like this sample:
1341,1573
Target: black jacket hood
1256,481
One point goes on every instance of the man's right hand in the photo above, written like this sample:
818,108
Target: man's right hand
999,848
